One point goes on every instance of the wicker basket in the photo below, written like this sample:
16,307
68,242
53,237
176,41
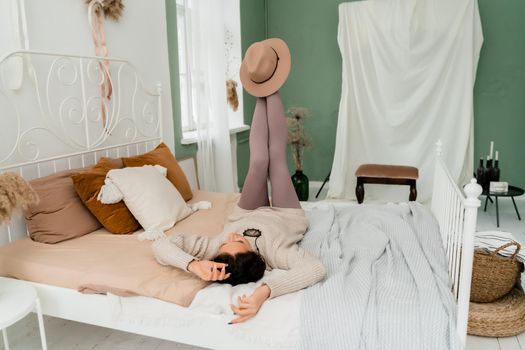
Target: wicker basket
494,275
503,318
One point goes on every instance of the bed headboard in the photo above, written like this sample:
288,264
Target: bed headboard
51,116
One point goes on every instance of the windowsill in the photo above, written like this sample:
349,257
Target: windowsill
190,137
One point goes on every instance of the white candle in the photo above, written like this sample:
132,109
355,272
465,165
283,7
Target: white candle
497,154
491,148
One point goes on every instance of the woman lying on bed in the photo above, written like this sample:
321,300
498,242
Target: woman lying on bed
257,236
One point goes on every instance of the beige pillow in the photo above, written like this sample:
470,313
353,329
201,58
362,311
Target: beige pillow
60,215
149,196
162,155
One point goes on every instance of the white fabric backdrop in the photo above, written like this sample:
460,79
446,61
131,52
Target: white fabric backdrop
409,68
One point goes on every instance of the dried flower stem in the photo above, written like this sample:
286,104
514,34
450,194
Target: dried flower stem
297,138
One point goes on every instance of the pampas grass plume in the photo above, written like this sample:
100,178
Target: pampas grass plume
15,193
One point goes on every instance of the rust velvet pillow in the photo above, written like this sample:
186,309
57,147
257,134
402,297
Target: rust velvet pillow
60,214
116,218
163,156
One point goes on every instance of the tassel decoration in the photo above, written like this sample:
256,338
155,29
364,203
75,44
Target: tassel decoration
231,94
202,205
109,193
151,234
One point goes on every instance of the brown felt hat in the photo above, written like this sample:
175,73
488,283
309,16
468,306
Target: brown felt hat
265,67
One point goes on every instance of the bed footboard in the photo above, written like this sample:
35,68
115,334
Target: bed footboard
456,213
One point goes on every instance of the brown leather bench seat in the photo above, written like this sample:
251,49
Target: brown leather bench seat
387,175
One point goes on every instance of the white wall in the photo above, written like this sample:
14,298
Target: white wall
139,37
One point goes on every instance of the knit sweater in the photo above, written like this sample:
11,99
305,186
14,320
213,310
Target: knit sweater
281,228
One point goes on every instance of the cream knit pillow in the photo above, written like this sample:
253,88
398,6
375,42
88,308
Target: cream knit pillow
149,196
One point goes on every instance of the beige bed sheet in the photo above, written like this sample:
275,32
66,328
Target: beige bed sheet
101,262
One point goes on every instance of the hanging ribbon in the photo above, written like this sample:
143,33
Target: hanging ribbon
96,21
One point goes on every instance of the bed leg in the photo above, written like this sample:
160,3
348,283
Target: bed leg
41,324
4,334
360,191
413,191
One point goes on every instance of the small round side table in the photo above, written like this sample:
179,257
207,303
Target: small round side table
513,191
18,299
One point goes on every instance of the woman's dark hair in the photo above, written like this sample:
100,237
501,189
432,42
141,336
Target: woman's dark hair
243,267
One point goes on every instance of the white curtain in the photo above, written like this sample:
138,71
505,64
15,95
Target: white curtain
206,26
409,68
12,28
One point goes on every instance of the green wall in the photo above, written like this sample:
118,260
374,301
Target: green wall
310,29
499,95
253,28
315,78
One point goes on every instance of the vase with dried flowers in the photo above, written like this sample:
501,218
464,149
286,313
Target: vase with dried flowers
298,141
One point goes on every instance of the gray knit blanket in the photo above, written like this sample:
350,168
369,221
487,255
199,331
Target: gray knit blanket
387,285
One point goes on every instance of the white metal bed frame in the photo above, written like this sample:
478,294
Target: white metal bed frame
456,212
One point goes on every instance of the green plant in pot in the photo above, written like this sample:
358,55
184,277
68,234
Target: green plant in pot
298,141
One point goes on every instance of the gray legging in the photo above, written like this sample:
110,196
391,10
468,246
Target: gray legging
268,138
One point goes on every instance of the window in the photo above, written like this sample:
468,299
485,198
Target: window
185,78
191,78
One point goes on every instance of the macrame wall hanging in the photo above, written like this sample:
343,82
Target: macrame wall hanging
97,10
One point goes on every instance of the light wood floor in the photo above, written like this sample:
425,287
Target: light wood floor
69,335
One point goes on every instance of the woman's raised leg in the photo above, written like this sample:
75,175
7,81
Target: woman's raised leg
255,189
283,193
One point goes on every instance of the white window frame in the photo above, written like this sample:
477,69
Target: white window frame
187,115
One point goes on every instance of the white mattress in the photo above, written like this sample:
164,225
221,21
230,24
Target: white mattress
276,326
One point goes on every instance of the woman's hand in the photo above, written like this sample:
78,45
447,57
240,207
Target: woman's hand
249,306
208,270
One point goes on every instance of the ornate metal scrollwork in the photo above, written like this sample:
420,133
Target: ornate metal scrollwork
60,107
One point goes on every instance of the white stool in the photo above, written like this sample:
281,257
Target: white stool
18,299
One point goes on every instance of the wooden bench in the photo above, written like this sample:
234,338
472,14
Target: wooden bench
385,175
